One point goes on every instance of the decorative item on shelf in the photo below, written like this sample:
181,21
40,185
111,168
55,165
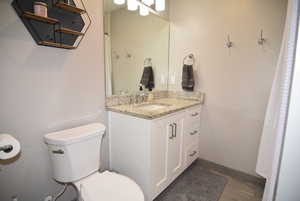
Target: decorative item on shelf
41,8
68,2
69,7
54,23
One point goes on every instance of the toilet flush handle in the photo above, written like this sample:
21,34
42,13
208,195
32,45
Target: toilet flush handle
58,151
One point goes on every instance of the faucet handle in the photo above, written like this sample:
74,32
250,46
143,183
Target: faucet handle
131,100
136,98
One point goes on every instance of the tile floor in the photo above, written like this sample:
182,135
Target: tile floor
240,186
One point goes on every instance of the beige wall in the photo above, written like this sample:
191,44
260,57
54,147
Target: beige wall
141,37
45,89
237,82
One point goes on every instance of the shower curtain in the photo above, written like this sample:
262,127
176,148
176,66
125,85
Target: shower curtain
108,66
275,120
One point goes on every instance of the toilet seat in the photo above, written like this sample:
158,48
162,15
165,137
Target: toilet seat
109,186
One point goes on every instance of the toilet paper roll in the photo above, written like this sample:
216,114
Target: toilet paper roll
7,140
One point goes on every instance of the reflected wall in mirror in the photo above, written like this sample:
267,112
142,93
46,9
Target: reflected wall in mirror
136,50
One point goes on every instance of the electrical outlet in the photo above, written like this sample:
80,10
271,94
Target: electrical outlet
48,198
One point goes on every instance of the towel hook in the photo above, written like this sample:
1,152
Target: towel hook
229,43
262,40
191,57
147,62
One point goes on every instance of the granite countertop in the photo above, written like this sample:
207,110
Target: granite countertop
171,105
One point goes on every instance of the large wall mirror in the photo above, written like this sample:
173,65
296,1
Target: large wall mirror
136,50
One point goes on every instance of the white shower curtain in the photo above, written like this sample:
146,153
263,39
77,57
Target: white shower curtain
108,66
274,127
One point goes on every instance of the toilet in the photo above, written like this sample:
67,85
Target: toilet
75,158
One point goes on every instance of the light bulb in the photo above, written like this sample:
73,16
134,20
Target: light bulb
160,5
148,2
119,2
144,11
132,5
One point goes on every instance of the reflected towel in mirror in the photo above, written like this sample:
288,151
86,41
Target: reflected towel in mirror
148,78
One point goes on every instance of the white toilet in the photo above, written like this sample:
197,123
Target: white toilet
75,156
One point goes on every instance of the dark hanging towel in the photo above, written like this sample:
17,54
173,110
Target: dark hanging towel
148,78
188,81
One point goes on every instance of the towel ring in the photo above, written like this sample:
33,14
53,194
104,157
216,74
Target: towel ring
190,56
147,62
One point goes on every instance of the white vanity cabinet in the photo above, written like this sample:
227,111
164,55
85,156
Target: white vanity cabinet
154,152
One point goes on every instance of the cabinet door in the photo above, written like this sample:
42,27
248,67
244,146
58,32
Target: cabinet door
175,152
161,135
166,153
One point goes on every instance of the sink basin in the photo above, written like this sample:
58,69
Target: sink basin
153,107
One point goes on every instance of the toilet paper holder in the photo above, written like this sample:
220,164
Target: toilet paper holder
6,148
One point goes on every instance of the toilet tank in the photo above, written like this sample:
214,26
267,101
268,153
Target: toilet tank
75,153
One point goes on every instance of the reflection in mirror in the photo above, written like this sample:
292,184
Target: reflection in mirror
136,50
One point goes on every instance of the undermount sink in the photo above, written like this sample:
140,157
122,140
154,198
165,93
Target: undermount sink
153,107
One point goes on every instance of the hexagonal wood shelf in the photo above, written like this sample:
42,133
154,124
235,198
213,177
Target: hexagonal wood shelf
65,26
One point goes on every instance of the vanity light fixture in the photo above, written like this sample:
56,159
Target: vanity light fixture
144,5
132,5
148,2
144,11
119,2
160,5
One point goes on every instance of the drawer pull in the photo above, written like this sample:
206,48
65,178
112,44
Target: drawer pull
175,133
195,114
194,133
193,154
172,132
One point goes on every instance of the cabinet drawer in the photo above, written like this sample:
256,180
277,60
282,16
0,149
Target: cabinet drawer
193,116
192,154
191,134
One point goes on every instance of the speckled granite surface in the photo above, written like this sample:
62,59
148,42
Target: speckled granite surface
169,105
125,99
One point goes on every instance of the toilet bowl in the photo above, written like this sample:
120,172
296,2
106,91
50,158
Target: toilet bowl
108,186
75,155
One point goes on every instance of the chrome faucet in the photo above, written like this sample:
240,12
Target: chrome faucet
140,98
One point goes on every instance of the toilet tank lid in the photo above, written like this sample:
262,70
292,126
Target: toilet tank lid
74,135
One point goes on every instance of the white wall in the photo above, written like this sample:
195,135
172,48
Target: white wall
237,82
45,89
141,37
